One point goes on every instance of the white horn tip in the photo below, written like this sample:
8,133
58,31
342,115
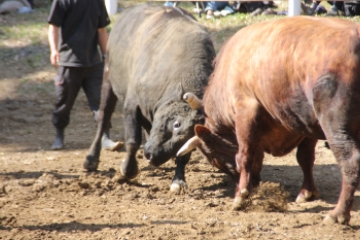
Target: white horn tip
186,96
190,145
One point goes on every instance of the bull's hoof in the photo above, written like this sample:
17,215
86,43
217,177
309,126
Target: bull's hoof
244,193
91,163
307,196
241,203
129,169
178,187
330,220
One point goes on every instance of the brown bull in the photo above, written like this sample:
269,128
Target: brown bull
280,85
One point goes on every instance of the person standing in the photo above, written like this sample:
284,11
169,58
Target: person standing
77,30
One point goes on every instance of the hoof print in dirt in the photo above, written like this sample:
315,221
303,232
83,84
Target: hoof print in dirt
84,185
197,194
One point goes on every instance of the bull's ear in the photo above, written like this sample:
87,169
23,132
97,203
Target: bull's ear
180,91
201,131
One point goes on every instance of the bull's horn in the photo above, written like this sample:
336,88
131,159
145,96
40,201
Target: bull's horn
191,144
194,102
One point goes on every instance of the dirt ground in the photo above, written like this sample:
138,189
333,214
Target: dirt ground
46,194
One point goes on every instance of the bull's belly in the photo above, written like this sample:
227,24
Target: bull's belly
284,130
279,141
278,144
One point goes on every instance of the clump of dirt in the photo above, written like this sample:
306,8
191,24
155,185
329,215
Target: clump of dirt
9,220
269,197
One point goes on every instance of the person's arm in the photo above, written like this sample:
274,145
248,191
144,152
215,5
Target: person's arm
103,38
53,36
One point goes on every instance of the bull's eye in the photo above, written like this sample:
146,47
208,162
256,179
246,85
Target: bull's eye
176,125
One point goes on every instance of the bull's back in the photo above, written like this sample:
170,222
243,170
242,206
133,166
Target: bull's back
279,63
123,46
152,48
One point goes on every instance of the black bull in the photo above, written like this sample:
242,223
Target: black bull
155,54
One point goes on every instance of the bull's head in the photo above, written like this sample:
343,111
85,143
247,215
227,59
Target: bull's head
173,125
218,150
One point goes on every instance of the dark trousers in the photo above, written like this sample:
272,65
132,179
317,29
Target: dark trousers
68,82
350,9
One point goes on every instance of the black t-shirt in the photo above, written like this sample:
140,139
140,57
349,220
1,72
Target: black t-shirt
79,21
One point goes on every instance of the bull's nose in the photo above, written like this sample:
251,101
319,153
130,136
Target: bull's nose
148,157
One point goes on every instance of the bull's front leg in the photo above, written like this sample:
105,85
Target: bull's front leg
178,184
133,137
248,162
107,107
244,164
305,156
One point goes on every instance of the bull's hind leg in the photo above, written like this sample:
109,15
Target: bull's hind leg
337,109
306,156
348,156
133,137
107,107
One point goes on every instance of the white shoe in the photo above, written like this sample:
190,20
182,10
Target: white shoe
224,12
197,10
209,16
217,14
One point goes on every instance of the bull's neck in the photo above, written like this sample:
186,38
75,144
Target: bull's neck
218,115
